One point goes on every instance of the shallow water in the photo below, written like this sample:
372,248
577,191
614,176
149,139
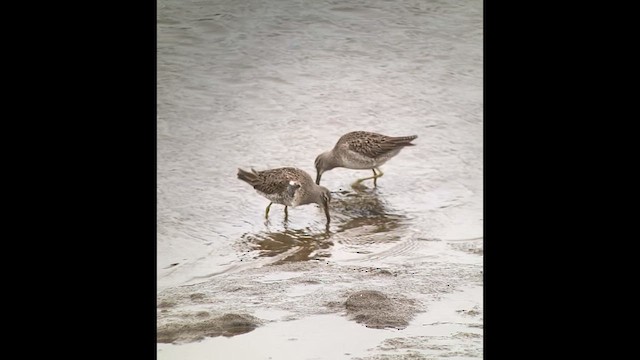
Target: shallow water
267,84
441,332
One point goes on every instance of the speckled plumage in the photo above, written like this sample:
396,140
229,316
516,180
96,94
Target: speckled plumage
361,150
287,186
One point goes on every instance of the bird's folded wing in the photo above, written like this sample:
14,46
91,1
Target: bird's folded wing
372,146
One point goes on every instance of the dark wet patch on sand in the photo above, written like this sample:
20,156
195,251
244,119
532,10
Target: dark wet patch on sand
471,247
166,304
195,327
198,298
377,310
471,312
466,335
461,344
409,355
374,271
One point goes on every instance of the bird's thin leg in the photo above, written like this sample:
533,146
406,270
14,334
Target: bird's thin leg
374,177
286,213
266,214
380,173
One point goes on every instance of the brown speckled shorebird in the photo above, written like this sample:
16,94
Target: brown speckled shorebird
362,150
287,186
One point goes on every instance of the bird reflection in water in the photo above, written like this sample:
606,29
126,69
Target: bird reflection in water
303,244
364,208
359,214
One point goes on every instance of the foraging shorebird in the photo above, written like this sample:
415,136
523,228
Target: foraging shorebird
362,150
287,186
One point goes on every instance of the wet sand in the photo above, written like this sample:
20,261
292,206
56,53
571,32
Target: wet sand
429,306
398,274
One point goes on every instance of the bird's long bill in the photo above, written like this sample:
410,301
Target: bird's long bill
326,211
318,178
